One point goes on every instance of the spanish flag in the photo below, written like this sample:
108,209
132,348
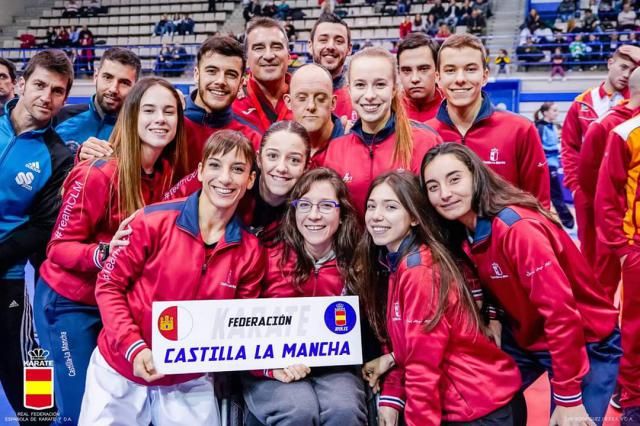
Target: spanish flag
38,387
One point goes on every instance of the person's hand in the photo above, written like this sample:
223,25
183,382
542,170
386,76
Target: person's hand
95,148
375,368
292,373
387,416
346,124
143,366
570,416
120,238
632,51
495,331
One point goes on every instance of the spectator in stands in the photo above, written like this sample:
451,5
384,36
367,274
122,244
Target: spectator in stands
405,27
94,8
508,143
330,45
159,29
418,25
402,8
632,39
311,100
502,62
268,58
290,29
578,51
626,18
89,125
27,41
30,202
443,32
477,24
590,22
606,11
86,30
594,47
252,10
612,44
533,21
7,82
432,25
573,26
463,12
64,38
557,64
86,54
163,61
438,10
51,37
71,9
187,25
529,53
417,71
484,7
282,11
75,36
566,10
212,5
268,9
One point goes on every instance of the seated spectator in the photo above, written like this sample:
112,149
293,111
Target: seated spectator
187,25
484,7
578,51
418,25
533,21
85,58
282,10
326,7
94,8
595,50
626,18
463,13
543,35
590,22
71,9
290,29
27,41
161,25
443,32
51,37
502,62
611,45
405,27
606,11
163,61
632,39
179,60
269,9
529,53
431,26
64,38
566,10
557,64
477,25
252,10
402,8
438,10
75,36
573,26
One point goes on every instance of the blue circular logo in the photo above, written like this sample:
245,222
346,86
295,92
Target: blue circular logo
340,317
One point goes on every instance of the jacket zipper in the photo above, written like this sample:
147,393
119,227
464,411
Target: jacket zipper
7,149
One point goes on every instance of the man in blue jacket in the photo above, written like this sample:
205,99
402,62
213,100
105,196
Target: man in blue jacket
33,164
117,72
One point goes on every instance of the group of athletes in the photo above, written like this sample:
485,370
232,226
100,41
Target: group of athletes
394,179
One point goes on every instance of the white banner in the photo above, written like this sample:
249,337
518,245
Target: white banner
255,334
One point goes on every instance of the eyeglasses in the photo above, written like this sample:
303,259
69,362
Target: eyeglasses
324,206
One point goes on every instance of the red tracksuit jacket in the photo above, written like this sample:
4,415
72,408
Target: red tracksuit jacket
89,214
548,291
508,143
585,109
448,373
318,158
359,158
254,107
618,194
166,260
427,111
594,146
343,101
199,125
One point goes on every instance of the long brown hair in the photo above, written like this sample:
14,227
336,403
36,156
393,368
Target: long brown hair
126,143
403,149
539,114
491,193
345,238
370,282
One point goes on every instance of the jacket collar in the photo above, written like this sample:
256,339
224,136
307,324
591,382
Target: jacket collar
482,232
486,110
383,134
338,129
101,115
8,108
394,259
199,115
188,220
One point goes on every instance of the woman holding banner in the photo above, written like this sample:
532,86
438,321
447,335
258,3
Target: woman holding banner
442,368
174,249
309,257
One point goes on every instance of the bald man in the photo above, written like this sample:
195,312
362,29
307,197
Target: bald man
606,264
312,101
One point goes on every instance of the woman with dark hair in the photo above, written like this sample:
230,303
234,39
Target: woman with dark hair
282,158
309,257
443,369
557,318
149,157
194,248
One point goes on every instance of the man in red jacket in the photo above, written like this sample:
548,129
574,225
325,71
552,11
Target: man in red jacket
417,55
584,110
330,45
261,102
508,143
606,264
